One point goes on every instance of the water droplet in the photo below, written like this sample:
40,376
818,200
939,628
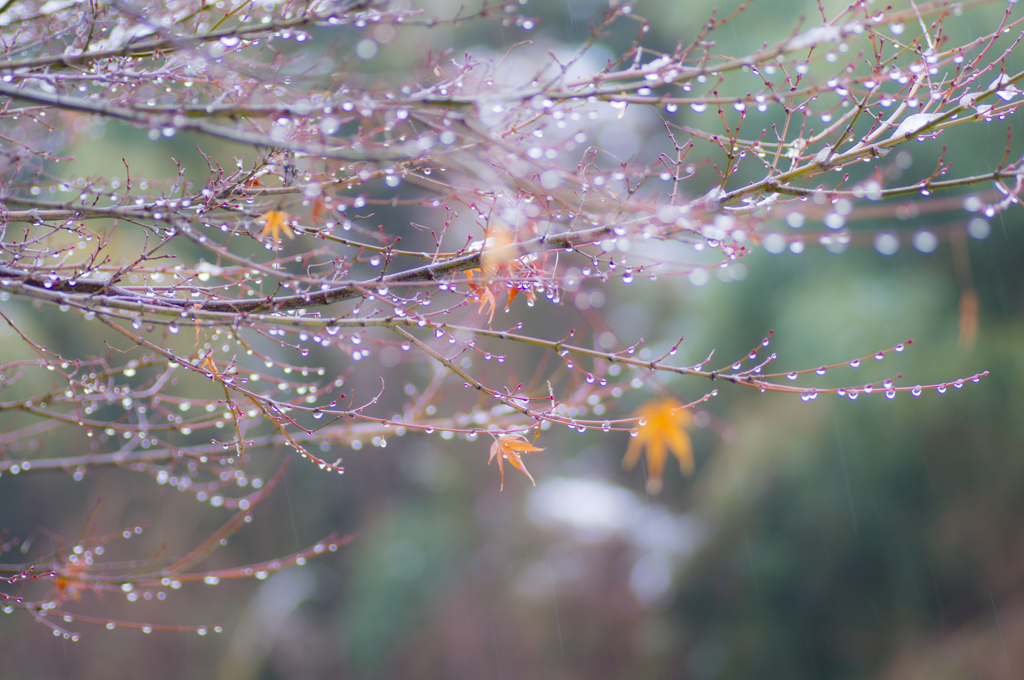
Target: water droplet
634,432
791,376
855,363
318,414
173,329
606,426
879,356
958,384
941,389
898,348
821,371
916,391
852,394
890,393
642,422
868,389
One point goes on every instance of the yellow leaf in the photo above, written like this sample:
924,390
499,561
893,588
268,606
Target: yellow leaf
494,250
510,446
275,224
664,429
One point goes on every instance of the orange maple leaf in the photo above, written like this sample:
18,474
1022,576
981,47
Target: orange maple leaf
275,224
510,446
501,272
664,423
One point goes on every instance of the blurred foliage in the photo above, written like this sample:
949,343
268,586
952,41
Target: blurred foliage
847,539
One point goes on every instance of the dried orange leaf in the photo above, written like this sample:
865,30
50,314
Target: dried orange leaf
511,446
487,301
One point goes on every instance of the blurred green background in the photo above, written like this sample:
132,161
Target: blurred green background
829,539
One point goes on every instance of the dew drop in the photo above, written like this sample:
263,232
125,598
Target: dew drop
821,371
941,389
791,376
855,363
890,393
916,391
